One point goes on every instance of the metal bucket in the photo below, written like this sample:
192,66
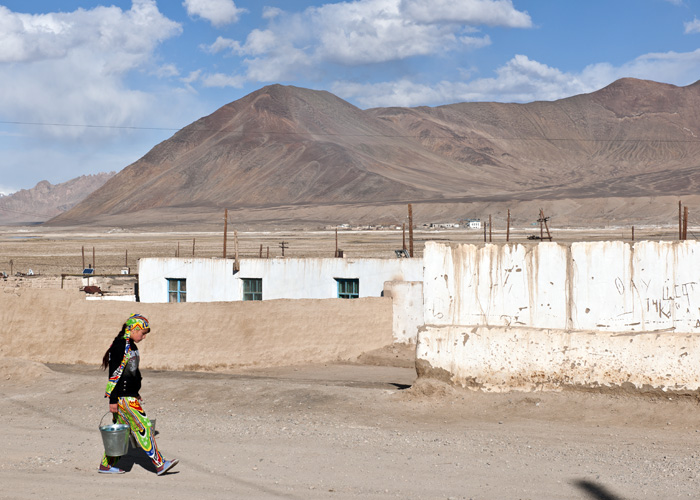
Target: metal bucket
115,438
132,439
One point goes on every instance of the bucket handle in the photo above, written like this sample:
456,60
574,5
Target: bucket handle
103,417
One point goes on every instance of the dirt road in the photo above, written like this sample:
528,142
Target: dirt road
344,431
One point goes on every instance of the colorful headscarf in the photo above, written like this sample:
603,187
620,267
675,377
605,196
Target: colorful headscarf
135,322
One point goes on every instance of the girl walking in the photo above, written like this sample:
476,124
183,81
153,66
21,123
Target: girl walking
122,359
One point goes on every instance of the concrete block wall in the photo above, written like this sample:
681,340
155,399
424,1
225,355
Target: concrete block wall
600,314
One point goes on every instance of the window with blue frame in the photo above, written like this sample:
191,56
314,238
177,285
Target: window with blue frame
252,288
177,290
348,288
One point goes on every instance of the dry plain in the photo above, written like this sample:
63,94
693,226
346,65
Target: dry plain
366,429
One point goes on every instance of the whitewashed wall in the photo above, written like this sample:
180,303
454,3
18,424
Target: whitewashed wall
500,285
211,280
651,286
595,313
407,307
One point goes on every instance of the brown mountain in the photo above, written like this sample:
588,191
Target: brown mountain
46,200
286,153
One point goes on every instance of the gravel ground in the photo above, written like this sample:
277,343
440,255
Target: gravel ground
345,431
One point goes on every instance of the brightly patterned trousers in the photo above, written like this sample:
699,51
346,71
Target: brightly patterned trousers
132,414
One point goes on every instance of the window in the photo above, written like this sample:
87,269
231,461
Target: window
348,288
177,290
252,288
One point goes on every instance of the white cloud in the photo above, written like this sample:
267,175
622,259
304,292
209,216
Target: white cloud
470,12
366,32
70,67
271,12
222,44
166,71
692,26
524,80
222,80
217,12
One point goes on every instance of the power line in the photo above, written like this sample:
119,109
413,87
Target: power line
331,134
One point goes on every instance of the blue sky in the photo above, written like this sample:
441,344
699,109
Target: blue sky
91,86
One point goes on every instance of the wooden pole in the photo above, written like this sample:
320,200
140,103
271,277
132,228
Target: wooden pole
490,232
484,231
260,256
193,247
632,233
83,250
126,258
336,242
680,221
268,252
404,237
508,227
178,249
410,230
235,249
225,229
541,224
685,223
93,258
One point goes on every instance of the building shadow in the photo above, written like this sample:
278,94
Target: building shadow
596,491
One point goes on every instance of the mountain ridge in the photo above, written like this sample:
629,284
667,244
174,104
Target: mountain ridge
285,146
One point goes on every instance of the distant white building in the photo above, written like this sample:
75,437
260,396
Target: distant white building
214,280
474,223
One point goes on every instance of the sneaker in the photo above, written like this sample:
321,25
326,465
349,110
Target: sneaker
167,465
106,469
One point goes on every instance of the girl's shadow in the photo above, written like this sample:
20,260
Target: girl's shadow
136,456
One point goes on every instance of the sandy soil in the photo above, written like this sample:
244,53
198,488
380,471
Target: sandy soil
344,431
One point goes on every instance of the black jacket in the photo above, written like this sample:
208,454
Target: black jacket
129,383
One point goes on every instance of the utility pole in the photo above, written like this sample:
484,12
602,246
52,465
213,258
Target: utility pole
83,251
410,230
490,231
336,242
508,227
680,221
225,229
283,245
404,237
93,259
237,266
685,223
260,255
192,247
543,220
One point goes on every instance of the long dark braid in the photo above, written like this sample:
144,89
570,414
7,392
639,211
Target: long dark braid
105,358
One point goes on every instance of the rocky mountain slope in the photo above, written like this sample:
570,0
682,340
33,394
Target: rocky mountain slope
46,200
286,153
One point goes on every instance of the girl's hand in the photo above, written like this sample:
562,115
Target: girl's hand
114,407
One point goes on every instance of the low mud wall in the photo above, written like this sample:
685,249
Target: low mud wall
60,326
501,359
